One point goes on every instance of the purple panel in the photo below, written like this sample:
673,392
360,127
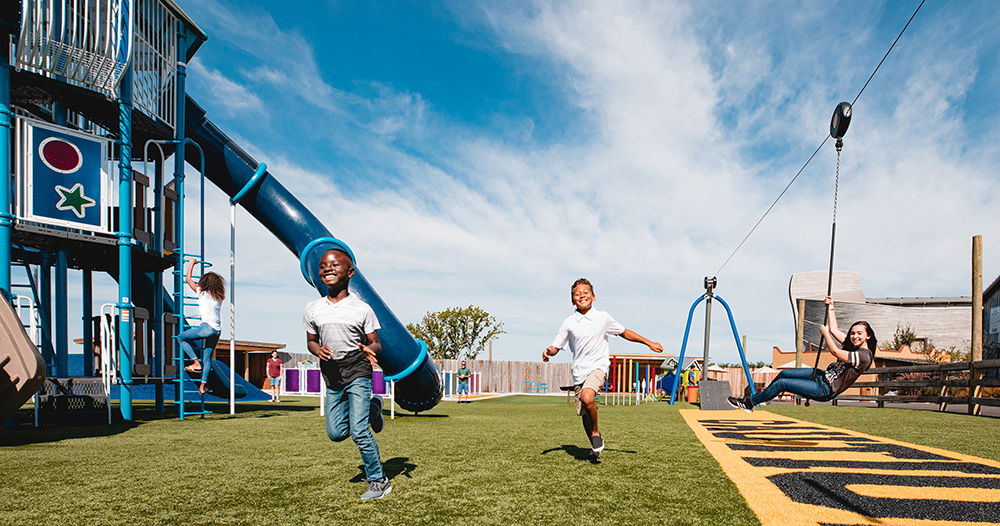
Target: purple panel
312,381
292,380
378,384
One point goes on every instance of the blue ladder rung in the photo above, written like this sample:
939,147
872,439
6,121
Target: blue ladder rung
193,413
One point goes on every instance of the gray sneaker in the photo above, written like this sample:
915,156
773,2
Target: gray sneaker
377,489
375,419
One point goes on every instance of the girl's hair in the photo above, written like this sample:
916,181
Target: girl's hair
214,285
872,342
581,281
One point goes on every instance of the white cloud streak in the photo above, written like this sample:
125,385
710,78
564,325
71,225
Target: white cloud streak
656,183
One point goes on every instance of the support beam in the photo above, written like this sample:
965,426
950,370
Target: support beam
45,312
62,314
124,234
178,218
976,352
6,140
87,301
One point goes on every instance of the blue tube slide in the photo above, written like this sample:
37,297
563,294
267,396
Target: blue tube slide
403,358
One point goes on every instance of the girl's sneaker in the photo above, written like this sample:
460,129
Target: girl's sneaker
741,403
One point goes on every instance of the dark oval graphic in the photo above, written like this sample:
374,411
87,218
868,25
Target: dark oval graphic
60,155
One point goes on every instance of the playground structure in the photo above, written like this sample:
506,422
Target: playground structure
704,385
632,379
91,82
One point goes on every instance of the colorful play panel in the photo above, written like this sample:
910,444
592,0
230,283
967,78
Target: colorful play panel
794,472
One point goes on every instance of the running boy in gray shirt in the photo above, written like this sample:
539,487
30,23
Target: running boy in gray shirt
341,332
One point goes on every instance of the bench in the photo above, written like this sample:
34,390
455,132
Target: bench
535,387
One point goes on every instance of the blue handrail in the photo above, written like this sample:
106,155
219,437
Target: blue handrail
257,177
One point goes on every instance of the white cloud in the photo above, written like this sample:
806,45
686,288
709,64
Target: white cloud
227,95
657,183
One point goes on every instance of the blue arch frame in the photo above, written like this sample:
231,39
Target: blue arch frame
687,332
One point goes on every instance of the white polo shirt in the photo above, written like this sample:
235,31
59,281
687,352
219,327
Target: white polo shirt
587,336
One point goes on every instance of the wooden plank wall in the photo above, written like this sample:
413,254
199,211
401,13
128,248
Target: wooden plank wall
509,377
738,381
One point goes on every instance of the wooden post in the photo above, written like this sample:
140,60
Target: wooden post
800,331
976,352
491,351
800,335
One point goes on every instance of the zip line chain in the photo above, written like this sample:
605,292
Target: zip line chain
856,97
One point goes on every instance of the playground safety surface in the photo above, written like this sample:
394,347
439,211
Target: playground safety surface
794,472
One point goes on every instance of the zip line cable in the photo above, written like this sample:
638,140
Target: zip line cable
818,148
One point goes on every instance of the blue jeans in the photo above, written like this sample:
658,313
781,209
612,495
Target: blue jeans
347,416
797,381
463,387
195,337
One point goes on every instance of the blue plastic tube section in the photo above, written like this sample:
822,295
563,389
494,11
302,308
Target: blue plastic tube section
274,207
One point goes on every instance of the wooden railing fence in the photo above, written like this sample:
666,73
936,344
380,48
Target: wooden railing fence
892,386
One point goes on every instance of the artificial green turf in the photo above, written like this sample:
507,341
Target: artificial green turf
513,460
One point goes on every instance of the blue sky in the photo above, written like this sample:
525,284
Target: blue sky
490,153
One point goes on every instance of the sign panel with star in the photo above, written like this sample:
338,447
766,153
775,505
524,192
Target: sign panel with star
63,176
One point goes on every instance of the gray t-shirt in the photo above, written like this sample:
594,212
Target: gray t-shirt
841,375
341,326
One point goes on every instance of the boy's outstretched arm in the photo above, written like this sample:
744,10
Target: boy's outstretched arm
633,336
549,351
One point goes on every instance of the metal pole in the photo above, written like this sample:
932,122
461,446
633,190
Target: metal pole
62,315
710,283
232,309
159,358
45,312
179,166
6,139
88,322
124,235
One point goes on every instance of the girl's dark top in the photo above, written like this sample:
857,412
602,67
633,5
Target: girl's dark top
841,375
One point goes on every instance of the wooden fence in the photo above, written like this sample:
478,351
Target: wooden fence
894,386
510,377
738,380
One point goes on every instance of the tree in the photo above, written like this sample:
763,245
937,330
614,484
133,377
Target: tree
904,335
457,331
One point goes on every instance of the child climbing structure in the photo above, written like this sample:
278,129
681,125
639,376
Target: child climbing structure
97,98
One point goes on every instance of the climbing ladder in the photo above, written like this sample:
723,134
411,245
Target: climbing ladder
183,380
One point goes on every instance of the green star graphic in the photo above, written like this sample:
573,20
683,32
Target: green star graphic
73,199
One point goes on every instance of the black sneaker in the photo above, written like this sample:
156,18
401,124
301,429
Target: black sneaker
597,444
741,403
377,489
375,414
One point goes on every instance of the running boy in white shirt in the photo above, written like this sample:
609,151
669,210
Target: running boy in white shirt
586,331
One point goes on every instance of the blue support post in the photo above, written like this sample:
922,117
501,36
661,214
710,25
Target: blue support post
6,139
179,164
45,312
88,323
61,315
125,243
157,318
680,359
739,345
